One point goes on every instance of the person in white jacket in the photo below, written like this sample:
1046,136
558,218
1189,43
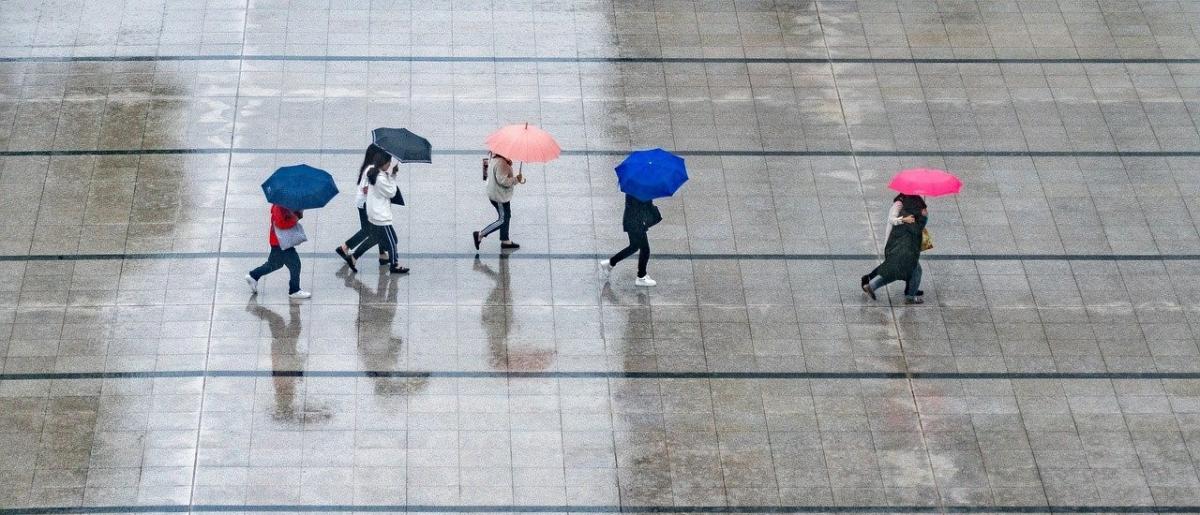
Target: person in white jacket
381,187
364,239
501,182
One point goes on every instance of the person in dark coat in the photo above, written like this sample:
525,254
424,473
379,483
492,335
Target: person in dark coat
639,217
894,218
902,252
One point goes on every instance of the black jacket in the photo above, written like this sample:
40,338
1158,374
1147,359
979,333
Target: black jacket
639,215
902,251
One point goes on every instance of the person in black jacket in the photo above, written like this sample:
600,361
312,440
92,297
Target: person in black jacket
902,252
640,216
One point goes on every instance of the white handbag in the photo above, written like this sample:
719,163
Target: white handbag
289,238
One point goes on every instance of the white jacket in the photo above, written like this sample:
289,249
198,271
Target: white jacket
893,219
360,193
379,198
501,180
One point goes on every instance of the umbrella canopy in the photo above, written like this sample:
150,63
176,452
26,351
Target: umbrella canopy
524,142
299,187
650,174
403,145
928,182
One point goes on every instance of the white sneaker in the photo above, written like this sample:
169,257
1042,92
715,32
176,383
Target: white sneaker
253,283
645,281
300,294
605,268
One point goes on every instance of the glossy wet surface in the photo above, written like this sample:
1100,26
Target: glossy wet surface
1053,366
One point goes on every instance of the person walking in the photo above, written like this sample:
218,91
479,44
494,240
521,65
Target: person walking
285,219
381,188
639,217
500,183
364,239
902,252
893,219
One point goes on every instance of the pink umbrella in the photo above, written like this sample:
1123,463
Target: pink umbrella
928,182
525,143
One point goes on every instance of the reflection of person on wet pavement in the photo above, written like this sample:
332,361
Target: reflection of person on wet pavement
378,350
284,357
499,354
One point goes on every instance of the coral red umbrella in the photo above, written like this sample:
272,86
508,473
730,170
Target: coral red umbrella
525,143
927,182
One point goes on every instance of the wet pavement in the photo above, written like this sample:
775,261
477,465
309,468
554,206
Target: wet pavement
1053,367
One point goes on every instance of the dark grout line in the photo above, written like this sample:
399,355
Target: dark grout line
600,60
566,509
503,374
589,256
616,152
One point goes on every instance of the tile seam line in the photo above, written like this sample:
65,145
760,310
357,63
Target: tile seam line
606,509
615,375
620,152
598,59
675,256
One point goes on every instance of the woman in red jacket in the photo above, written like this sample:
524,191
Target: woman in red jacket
282,218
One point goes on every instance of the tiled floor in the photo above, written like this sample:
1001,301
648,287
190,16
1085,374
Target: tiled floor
1055,365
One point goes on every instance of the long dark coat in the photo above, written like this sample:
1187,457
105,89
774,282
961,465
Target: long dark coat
902,251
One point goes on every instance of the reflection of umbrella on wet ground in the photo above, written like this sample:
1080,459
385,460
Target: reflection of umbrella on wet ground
927,182
651,174
299,187
525,143
403,145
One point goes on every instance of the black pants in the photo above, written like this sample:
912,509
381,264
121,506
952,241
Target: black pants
503,216
637,243
279,259
386,236
364,239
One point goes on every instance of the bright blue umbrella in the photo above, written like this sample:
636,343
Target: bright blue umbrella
299,187
650,174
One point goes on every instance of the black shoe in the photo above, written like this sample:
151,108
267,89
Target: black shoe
866,279
346,257
509,246
384,261
398,270
475,236
920,293
866,288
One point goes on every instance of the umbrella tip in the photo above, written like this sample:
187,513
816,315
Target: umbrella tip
526,125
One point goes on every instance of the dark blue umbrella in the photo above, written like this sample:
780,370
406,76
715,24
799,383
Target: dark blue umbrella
299,187
650,174
403,145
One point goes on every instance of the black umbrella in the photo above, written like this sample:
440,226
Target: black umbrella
402,144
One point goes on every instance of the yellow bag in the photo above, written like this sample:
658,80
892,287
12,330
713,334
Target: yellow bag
926,240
